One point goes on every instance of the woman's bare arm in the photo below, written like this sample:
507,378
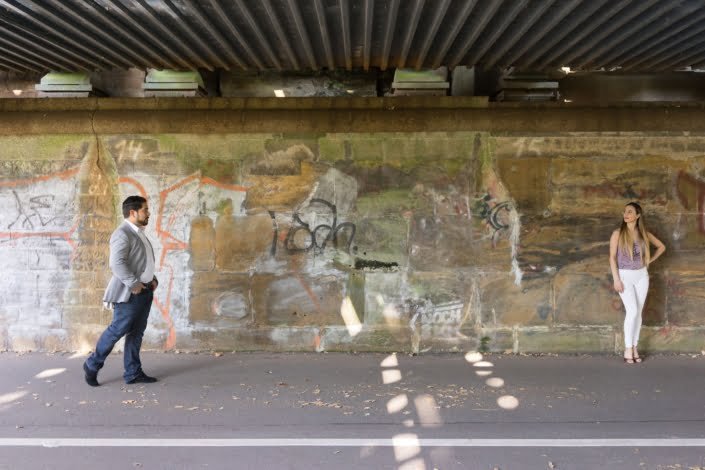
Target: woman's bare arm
660,247
614,242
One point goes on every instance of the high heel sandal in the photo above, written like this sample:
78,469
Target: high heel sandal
629,360
635,357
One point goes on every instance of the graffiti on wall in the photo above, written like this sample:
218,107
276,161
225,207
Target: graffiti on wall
42,207
691,194
302,236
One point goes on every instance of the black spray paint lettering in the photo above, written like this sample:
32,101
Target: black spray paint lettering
316,238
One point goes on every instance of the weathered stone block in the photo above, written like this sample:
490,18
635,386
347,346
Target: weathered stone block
439,243
252,339
367,150
239,241
497,339
586,299
669,339
372,339
503,303
55,340
459,342
193,147
202,244
685,291
44,147
654,313
383,299
392,202
298,300
220,299
332,148
555,243
566,340
382,239
594,185
165,164
15,259
81,315
526,180
281,192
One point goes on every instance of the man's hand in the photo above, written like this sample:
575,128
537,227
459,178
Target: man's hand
138,288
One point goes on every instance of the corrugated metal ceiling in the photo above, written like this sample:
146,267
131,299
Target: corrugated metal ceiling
530,35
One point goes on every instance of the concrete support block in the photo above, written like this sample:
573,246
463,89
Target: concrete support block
372,339
252,339
66,85
566,340
173,83
668,339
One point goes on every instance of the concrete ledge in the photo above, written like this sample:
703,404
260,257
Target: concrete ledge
252,339
408,114
669,339
566,340
369,339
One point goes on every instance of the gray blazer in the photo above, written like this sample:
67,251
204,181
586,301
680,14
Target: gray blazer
128,260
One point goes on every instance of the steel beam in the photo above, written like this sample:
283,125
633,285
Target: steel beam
59,35
681,54
564,29
664,46
86,38
582,32
476,27
7,66
197,46
518,35
303,34
410,31
23,65
222,41
41,64
368,10
605,31
441,9
489,39
6,35
123,13
660,30
389,26
283,40
344,9
88,23
323,29
453,32
225,18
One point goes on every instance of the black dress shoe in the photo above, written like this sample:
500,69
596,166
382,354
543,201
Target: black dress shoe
142,379
90,376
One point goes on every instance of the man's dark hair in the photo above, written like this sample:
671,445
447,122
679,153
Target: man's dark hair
132,203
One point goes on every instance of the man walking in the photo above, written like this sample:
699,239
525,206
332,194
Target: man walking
130,291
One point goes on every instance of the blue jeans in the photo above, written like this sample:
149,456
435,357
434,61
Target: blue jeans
130,321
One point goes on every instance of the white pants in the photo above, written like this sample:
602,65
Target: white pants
636,285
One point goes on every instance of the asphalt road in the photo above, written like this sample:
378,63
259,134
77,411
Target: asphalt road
364,411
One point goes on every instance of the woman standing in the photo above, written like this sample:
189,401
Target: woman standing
630,257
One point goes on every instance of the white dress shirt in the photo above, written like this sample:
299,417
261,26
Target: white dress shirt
148,274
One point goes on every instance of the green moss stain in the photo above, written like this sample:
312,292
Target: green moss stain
49,147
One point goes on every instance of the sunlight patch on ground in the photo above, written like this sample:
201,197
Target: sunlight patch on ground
45,374
396,404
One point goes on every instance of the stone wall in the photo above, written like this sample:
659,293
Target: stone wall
405,240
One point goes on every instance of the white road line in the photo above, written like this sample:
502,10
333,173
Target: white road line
313,442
